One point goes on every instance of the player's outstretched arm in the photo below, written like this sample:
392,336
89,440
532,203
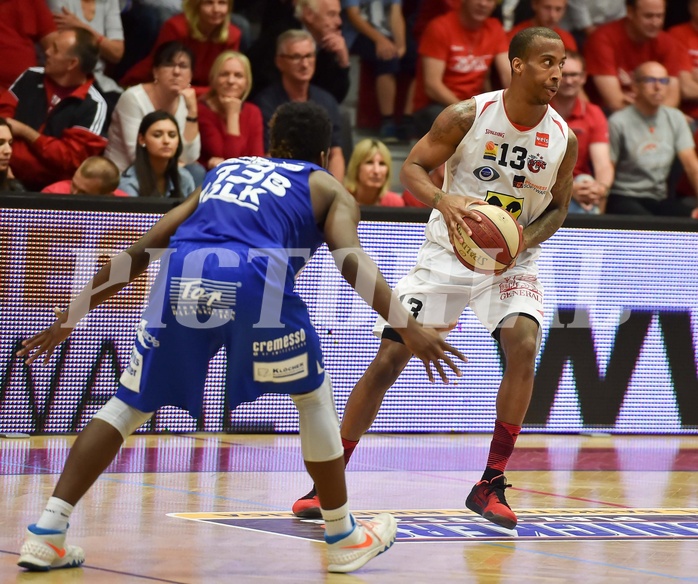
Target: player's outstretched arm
433,150
112,277
340,228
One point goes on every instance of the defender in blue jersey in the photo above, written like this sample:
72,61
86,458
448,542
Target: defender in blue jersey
230,254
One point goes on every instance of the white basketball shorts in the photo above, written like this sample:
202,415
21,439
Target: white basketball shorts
438,288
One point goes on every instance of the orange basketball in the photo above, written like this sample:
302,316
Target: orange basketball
495,243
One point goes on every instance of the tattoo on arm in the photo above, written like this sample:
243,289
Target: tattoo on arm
437,197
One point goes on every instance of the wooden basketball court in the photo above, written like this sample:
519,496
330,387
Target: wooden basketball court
591,509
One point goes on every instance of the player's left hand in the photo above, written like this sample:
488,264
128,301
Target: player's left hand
454,208
427,345
47,340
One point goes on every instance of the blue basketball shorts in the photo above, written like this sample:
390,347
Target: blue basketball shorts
205,298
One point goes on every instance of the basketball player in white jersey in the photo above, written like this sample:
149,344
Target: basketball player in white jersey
507,148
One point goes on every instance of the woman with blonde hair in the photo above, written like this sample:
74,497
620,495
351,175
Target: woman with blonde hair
204,27
229,125
368,175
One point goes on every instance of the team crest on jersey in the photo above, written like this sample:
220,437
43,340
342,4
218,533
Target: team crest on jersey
491,150
486,173
507,202
536,163
521,182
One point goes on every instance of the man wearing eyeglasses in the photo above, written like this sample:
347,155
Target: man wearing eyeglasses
593,173
616,49
295,59
646,137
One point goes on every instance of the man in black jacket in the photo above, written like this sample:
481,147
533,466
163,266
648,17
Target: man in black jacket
321,18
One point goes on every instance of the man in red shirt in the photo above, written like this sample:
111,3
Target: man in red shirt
22,25
616,49
548,13
593,172
455,55
95,176
57,116
687,36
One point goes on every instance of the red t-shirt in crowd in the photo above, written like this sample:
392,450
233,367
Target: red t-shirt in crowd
410,200
687,37
590,125
391,199
22,24
428,11
567,38
610,51
205,52
468,55
62,187
216,142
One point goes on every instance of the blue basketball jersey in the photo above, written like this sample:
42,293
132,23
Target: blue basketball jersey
257,202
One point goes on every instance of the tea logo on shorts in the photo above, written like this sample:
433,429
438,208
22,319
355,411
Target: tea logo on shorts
486,173
192,296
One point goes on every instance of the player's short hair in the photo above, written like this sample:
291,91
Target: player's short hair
103,169
299,130
524,39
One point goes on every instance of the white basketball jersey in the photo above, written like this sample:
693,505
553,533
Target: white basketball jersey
514,168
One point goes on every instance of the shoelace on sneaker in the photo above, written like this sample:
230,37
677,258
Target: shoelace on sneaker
498,489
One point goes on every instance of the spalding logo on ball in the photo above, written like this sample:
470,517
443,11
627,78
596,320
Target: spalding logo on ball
495,243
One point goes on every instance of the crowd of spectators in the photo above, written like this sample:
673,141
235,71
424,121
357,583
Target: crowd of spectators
143,97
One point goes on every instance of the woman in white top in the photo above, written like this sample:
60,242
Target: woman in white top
169,91
102,18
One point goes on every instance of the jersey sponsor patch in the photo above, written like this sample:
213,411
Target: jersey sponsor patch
507,202
491,150
447,525
281,371
536,163
542,140
486,173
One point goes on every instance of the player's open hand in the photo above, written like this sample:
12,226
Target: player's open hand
454,208
47,340
427,345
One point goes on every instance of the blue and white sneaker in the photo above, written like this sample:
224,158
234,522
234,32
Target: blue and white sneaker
45,549
350,551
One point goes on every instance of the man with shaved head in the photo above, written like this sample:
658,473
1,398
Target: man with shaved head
646,137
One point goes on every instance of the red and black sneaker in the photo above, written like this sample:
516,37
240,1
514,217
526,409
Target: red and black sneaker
308,506
487,499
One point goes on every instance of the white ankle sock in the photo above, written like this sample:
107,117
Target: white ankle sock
56,515
337,521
